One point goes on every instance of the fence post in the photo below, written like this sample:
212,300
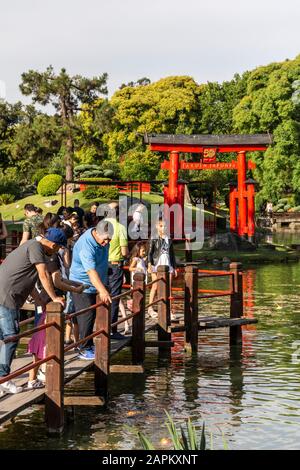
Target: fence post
236,302
164,317
102,350
138,321
54,396
191,308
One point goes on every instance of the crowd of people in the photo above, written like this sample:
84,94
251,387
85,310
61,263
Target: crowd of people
71,257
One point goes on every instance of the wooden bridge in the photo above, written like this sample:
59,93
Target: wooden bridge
63,364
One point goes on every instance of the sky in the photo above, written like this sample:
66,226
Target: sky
210,40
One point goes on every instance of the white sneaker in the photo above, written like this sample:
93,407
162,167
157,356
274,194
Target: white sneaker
174,317
10,387
33,384
152,313
41,376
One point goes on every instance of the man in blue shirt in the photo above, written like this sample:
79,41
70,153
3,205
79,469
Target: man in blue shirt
90,266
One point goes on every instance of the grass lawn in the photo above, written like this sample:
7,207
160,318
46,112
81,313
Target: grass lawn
16,209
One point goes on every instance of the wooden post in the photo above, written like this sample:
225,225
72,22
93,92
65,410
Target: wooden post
191,309
164,316
54,396
138,322
102,350
236,302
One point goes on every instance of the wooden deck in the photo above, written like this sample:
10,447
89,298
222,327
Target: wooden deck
11,405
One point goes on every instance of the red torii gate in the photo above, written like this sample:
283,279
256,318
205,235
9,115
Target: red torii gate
208,146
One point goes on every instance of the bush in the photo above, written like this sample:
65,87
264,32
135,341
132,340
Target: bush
7,198
49,185
82,171
103,192
108,173
283,201
91,174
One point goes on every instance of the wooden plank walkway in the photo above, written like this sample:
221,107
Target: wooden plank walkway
11,405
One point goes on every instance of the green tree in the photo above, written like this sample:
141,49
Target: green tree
271,105
67,94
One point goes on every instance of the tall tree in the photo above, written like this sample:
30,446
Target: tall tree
67,94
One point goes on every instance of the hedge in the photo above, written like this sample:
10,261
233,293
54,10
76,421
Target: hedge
105,192
49,185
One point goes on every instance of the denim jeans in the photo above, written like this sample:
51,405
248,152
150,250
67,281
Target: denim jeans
9,326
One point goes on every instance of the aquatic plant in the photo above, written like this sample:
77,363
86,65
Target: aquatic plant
183,439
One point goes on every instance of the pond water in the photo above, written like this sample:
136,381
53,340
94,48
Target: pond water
250,396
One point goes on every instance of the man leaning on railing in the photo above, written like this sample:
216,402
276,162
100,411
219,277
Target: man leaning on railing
89,266
18,274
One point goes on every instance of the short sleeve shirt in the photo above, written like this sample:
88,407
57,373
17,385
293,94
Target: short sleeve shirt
18,274
118,240
88,255
31,225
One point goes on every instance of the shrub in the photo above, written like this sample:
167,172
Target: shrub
105,192
7,198
49,185
82,171
108,173
91,173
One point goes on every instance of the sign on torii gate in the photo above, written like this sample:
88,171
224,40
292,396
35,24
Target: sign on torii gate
208,147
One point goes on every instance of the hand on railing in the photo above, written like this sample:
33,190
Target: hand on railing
104,296
59,300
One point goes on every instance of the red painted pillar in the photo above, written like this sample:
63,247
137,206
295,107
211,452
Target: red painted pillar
251,211
242,217
173,186
173,176
232,209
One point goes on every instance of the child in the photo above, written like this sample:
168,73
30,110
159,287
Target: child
137,264
161,253
138,259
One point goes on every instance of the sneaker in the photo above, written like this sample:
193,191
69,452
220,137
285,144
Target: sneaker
10,387
117,336
41,376
174,317
33,384
87,354
152,313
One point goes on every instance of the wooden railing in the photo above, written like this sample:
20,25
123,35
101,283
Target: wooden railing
55,323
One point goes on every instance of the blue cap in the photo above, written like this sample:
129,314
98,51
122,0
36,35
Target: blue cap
56,235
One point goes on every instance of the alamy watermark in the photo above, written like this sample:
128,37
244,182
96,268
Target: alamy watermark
141,220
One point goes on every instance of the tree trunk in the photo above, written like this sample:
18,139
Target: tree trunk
69,158
67,122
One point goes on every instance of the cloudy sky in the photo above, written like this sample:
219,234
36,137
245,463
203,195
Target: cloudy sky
209,40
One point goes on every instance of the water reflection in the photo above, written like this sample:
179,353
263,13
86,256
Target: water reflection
249,393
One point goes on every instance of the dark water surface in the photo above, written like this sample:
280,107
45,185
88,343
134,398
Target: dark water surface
251,397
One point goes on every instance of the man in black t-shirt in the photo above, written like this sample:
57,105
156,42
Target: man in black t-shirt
18,274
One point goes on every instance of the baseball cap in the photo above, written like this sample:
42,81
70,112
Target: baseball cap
56,235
